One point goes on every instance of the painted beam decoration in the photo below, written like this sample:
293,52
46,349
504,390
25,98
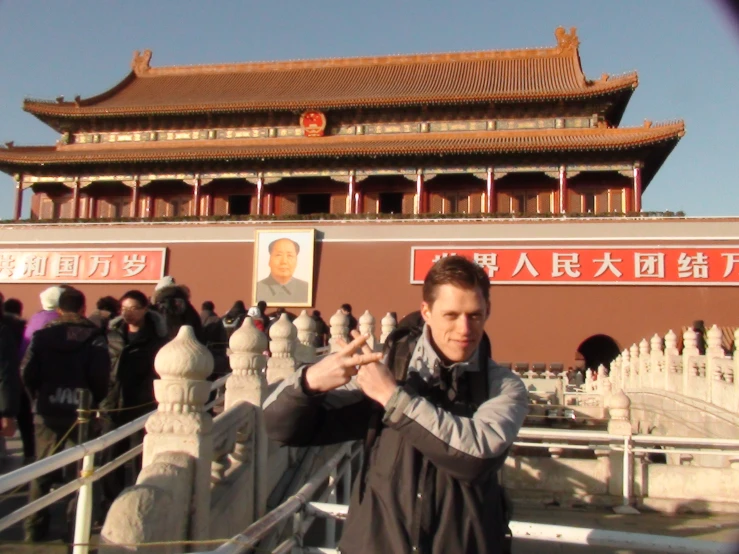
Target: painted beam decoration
592,265
62,265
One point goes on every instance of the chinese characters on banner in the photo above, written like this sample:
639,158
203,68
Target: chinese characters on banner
74,266
664,265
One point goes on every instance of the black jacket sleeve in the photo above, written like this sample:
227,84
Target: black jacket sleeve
295,418
10,384
98,371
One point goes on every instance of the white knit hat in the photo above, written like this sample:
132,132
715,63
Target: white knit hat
166,281
50,298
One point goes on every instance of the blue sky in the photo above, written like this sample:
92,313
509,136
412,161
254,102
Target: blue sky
686,53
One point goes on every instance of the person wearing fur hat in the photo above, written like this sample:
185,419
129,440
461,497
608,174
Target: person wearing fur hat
49,304
173,303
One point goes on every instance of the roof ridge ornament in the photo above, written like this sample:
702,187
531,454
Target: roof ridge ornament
566,42
140,62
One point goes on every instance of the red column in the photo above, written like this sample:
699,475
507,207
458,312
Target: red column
209,204
18,197
350,196
196,197
419,193
637,189
563,207
76,200
491,207
135,198
270,204
260,185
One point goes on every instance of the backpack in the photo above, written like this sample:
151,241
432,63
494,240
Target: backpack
457,398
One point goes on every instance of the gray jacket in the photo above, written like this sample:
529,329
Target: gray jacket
431,483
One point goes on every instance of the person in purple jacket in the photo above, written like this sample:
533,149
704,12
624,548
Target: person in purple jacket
39,320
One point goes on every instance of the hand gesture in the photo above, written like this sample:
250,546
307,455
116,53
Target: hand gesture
375,379
337,369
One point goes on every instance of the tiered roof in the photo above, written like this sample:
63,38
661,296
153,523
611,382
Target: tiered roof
525,75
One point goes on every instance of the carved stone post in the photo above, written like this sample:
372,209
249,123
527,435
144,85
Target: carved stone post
714,353
625,368
305,351
672,355
247,384
367,327
634,360
690,363
388,325
181,423
604,384
735,372
656,361
283,337
643,363
339,323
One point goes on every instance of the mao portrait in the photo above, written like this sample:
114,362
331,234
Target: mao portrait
283,267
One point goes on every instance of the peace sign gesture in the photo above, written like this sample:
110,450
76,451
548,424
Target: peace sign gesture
337,369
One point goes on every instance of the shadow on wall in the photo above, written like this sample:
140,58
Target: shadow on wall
598,350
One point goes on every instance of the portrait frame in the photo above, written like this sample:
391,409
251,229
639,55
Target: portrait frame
264,286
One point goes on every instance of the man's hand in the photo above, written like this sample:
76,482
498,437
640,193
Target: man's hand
375,379
7,426
338,368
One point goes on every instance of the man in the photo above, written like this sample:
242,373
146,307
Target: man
107,308
67,355
13,309
281,287
346,309
133,342
322,330
49,303
434,439
214,334
10,383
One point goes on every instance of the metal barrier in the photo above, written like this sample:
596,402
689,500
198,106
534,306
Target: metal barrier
338,467
304,511
85,452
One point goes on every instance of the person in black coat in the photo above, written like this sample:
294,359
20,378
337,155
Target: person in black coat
173,303
68,354
11,334
134,339
234,318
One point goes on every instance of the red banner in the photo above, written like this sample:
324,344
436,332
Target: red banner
580,265
113,265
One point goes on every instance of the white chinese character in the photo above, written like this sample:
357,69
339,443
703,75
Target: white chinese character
67,265
487,261
7,264
134,264
565,264
650,264
731,259
97,260
692,266
523,260
607,265
442,255
34,266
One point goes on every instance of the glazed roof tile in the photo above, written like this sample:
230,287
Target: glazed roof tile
475,142
486,76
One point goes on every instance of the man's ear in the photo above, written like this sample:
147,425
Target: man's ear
425,311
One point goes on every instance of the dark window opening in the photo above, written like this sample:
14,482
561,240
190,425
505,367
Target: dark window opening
598,350
391,203
314,204
239,204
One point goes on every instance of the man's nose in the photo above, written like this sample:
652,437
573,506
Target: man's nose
463,324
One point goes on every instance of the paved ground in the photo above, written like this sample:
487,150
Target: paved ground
720,528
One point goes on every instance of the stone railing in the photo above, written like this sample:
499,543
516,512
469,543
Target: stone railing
682,392
204,478
654,364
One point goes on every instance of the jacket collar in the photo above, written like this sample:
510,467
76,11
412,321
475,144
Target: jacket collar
426,360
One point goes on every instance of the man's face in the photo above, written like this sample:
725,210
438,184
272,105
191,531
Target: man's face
133,313
456,320
282,260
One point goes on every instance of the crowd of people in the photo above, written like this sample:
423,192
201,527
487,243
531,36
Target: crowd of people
64,348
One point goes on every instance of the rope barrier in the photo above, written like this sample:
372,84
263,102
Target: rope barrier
61,442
